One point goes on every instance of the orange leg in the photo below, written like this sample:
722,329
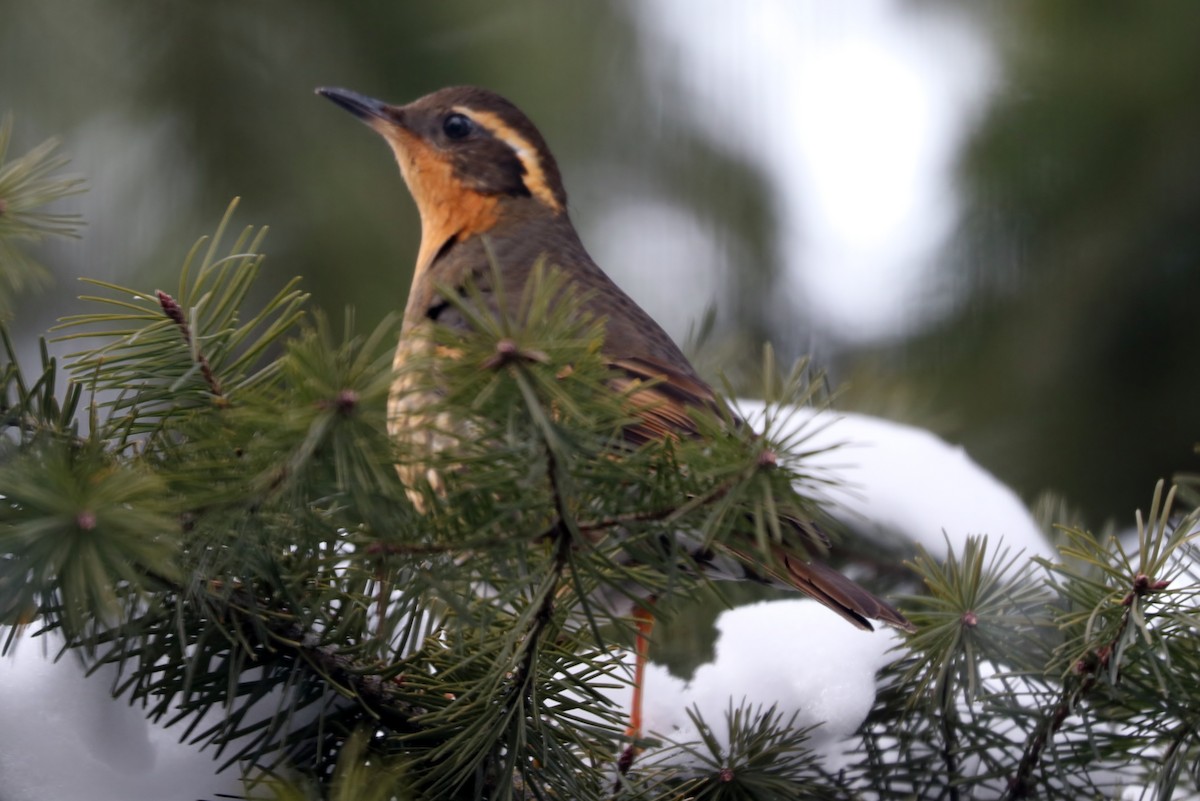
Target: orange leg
383,596
645,624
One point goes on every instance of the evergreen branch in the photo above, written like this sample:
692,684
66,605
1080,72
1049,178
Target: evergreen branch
253,630
27,185
1087,671
522,703
767,758
564,539
33,409
170,354
486,668
356,677
80,534
1107,657
981,609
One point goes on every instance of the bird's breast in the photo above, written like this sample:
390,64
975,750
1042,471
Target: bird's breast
418,432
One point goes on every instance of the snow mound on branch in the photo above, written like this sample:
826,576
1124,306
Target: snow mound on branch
891,480
795,655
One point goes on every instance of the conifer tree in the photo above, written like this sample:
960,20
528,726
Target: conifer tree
205,497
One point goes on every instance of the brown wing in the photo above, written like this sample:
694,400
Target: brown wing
665,398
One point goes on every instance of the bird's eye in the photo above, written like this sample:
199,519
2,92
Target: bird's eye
457,126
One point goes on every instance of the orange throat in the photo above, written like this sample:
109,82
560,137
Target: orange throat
448,209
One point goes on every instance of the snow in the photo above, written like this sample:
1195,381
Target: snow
893,480
795,655
65,736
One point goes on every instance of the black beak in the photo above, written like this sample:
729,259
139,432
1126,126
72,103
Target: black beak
361,106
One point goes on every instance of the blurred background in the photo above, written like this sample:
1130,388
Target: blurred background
979,218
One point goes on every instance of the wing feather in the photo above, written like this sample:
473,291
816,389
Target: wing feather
664,398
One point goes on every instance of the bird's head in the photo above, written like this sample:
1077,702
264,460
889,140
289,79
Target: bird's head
465,153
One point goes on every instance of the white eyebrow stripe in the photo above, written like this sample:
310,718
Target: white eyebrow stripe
535,176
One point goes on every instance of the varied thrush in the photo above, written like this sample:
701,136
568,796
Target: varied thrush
489,192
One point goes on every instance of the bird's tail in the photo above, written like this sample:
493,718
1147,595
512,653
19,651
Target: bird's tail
831,588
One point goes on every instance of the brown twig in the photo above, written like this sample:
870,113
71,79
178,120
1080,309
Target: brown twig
172,309
1088,668
562,552
947,723
381,696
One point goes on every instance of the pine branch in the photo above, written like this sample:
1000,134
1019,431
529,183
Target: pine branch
762,755
169,355
27,186
33,410
81,536
1103,652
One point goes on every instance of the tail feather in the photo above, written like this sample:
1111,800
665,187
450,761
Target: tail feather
831,588
821,583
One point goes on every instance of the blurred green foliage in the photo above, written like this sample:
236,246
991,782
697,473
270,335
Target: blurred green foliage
1064,366
1068,365
222,94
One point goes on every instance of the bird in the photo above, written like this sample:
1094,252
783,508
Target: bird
489,192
